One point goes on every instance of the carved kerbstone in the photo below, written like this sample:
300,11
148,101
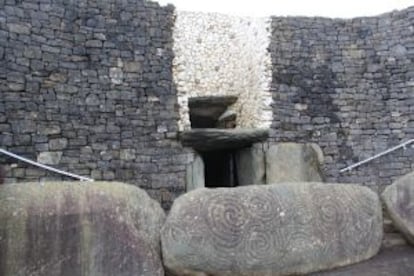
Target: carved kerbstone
271,230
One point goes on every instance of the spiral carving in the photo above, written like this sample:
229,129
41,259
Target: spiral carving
363,223
225,219
260,244
273,228
331,213
263,206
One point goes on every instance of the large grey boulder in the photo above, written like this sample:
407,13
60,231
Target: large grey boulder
399,201
278,229
78,228
292,162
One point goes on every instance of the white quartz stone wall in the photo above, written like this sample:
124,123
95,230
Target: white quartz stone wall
220,55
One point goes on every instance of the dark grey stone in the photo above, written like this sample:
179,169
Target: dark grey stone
19,28
195,177
214,139
58,144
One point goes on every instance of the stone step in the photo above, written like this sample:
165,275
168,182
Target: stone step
393,239
389,226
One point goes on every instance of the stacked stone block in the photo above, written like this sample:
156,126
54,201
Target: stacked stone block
86,86
347,85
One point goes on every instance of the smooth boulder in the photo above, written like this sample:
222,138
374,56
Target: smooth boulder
79,228
399,201
281,229
292,162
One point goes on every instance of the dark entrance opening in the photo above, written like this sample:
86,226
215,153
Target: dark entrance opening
215,136
220,168
212,112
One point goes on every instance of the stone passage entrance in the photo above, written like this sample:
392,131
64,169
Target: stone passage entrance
218,142
220,168
221,156
255,163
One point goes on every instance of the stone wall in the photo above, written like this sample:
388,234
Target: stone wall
347,85
89,87
86,86
218,55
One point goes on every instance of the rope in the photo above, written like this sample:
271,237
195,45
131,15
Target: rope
31,162
402,145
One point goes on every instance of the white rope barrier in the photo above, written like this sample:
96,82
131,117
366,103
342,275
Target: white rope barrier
81,178
402,145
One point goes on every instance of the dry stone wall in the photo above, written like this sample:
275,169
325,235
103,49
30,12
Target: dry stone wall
347,85
86,86
100,88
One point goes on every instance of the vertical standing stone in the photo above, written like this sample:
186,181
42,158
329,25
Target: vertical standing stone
251,165
195,174
291,162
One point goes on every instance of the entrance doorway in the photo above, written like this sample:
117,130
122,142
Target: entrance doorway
220,168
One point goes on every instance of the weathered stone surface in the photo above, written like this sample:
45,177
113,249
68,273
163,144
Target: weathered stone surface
399,201
251,165
75,228
50,157
195,174
214,139
58,144
291,162
391,262
19,28
271,229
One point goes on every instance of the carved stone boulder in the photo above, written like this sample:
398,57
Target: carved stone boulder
78,228
399,201
278,229
292,162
